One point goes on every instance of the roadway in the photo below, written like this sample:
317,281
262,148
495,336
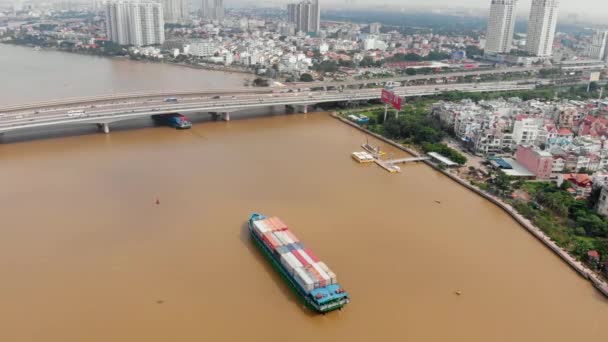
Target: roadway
106,112
447,75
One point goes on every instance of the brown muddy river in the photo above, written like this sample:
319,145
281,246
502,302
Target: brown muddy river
87,255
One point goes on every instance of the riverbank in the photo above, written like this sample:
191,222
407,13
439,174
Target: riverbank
579,267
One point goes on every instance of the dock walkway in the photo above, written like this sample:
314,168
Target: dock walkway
407,160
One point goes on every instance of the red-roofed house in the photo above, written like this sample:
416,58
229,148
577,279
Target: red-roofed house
582,184
593,126
565,133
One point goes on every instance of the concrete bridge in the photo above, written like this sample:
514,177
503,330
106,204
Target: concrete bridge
105,110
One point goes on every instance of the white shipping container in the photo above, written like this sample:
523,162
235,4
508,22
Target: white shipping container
316,282
290,262
330,273
260,227
322,273
304,279
281,237
285,262
294,262
286,238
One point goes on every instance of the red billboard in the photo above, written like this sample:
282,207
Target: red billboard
390,98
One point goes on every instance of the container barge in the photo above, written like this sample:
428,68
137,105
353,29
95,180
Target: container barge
314,283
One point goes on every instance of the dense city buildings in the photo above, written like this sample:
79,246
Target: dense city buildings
501,26
137,23
541,27
306,16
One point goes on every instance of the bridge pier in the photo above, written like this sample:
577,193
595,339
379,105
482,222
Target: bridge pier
226,116
104,127
302,109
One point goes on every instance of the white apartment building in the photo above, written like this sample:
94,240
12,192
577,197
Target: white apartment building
202,48
597,48
525,131
501,25
490,143
213,9
306,15
137,23
372,43
541,27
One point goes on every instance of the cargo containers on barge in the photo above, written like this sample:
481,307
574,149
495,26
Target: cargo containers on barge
312,280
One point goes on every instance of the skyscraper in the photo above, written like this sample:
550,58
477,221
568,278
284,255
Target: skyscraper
215,12
541,27
501,25
218,7
292,13
599,44
206,9
135,23
174,11
306,15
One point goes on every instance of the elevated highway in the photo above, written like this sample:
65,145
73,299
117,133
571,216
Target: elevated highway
104,112
405,79
108,98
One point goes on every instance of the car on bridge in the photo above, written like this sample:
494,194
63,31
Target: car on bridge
171,99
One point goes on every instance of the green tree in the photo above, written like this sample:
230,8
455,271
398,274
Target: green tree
306,78
260,82
326,66
581,247
594,197
473,51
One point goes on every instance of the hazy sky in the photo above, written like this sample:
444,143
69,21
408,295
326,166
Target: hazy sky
595,8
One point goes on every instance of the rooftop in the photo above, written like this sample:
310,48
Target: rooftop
517,170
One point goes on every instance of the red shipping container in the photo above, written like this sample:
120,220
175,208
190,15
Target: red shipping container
291,236
267,242
312,256
300,258
279,223
272,241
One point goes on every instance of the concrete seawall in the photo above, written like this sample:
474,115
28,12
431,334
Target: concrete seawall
579,267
